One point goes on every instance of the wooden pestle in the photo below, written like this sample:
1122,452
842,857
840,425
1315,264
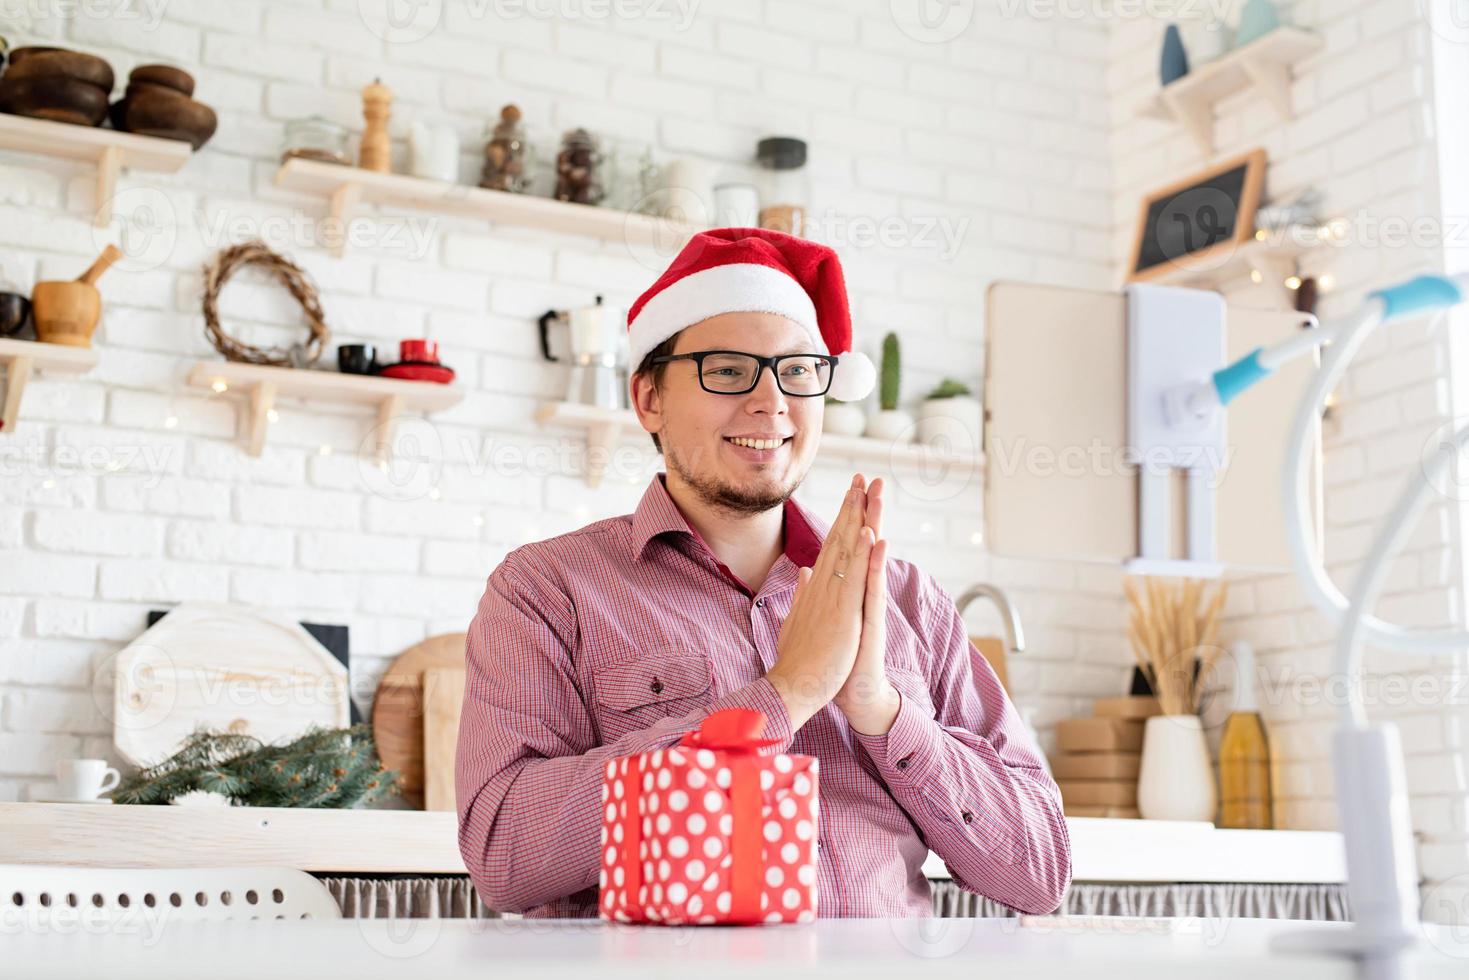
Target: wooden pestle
104,262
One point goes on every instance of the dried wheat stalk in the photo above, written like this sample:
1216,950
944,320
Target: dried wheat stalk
1169,631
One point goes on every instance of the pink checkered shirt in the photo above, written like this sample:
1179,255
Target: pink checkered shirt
622,636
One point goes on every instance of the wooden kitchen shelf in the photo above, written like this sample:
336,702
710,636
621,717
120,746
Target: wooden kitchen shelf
605,428
347,188
1264,64
110,150
262,385
426,842
22,358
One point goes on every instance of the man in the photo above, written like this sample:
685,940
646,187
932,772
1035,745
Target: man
722,591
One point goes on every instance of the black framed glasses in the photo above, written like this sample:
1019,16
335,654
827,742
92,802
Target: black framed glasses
734,372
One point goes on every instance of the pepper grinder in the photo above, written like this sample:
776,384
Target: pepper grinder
377,148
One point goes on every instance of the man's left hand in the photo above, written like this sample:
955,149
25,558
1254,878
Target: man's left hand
868,698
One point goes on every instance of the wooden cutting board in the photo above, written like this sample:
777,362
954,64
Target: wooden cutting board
398,709
443,698
995,652
228,668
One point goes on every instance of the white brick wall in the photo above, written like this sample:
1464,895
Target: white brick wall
158,504
1364,135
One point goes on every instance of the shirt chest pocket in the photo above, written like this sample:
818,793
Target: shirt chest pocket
633,695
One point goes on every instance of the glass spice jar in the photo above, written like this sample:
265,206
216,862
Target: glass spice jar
577,167
505,154
785,189
316,138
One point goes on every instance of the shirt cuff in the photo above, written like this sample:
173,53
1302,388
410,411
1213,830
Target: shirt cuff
762,696
908,751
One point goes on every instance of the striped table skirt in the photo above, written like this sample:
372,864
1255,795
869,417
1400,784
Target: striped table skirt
454,897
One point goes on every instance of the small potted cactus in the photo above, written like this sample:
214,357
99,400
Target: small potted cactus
950,418
890,422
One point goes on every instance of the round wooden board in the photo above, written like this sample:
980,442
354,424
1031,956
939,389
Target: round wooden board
397,710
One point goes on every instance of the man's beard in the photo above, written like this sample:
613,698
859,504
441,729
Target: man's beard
733,499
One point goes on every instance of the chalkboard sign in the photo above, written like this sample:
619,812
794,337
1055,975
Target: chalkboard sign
1198,223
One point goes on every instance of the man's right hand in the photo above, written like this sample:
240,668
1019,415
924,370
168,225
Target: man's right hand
819,638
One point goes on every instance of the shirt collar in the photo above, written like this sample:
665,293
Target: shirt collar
658,514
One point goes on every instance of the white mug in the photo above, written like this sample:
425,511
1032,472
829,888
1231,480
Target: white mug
85,779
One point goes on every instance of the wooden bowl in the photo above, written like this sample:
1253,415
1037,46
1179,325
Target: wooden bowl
66,312
58,63
172,116
166,75
60,99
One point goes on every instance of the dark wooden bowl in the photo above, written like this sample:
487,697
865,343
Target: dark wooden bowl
172,116
65,100
165,75
56,63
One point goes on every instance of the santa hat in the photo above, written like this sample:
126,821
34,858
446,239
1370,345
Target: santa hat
754,270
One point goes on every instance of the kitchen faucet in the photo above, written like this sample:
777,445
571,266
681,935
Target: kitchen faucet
1014,634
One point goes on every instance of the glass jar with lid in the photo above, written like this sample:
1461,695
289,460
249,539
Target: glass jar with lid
316,138
506,153
785,188
578,168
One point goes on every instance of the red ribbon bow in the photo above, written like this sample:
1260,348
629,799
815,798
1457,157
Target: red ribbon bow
734,730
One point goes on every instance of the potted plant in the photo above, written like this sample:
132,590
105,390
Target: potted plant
950,418
844,418
891,422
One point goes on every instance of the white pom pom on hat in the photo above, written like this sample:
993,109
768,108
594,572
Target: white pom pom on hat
755,270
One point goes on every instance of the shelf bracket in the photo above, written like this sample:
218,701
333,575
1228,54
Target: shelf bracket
262,400
109,165
1195,117
17,376
345,200
1273,80
388,411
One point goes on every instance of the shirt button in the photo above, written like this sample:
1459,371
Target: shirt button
821,845
968,817
656,687
903,763
760,602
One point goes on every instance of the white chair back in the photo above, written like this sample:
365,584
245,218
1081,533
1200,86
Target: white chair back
103,897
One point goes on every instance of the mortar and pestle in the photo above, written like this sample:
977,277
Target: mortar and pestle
67,312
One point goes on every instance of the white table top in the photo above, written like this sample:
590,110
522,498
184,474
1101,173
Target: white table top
416,841
448,949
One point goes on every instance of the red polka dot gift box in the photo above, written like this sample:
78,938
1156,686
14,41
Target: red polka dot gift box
710,831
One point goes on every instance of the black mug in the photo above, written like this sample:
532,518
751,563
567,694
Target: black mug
15,313
357,359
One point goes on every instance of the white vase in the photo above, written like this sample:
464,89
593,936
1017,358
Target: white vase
1177,778
951,425
434,151
893,426
844,419
1211,40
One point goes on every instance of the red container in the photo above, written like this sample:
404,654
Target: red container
419,351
